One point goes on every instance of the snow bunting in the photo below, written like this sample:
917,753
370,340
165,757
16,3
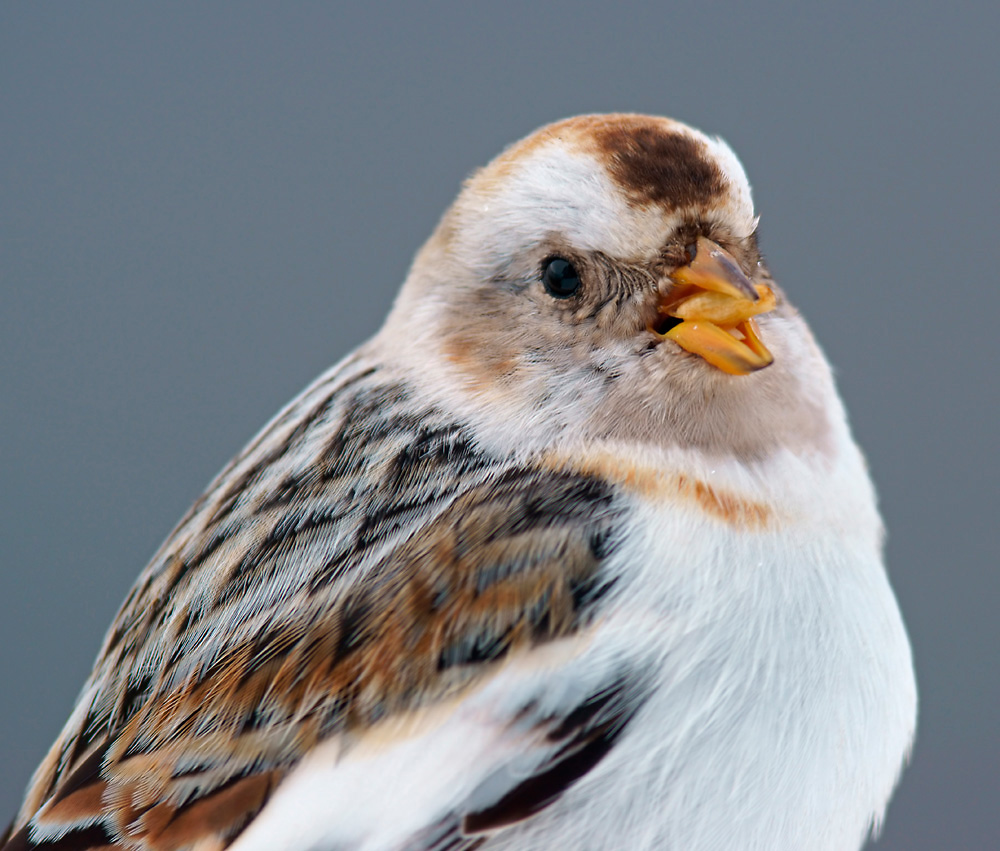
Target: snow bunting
577,552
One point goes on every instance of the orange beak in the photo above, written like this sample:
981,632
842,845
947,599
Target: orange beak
716,304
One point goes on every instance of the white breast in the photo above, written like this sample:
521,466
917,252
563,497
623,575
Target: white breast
786,700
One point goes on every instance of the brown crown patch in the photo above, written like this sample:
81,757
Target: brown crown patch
656,164
654,160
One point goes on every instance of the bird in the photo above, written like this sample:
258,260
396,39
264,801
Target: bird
577,552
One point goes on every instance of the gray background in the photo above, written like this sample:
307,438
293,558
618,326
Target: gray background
202,208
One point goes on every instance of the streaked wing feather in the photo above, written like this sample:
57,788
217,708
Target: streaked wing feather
361,558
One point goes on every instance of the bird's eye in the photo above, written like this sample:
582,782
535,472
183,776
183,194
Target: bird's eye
560,278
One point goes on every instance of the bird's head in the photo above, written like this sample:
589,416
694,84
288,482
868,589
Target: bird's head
602,278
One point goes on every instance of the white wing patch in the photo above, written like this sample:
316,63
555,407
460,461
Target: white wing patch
462,768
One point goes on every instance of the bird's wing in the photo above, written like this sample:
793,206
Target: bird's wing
459,773
362,560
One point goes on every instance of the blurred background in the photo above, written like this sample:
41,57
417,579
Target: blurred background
203,207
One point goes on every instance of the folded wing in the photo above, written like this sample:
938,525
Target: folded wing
358,564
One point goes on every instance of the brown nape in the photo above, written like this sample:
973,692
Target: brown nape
656,165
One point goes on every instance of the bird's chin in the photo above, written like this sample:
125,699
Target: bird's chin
667,397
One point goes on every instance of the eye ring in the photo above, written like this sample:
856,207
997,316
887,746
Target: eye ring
560,277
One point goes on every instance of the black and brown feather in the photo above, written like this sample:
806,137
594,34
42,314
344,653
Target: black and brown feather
363,557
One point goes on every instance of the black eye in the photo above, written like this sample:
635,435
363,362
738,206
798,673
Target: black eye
560,278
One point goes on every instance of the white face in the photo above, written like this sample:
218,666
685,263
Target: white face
596,182
621,199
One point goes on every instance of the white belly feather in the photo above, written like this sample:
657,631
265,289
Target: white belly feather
786,700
